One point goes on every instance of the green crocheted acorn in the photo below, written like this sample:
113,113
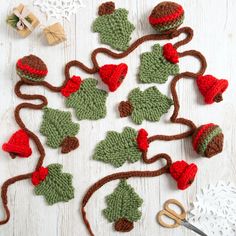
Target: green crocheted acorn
122,207
117,148
55,186
149,105
88,101
113,26
59,129
155,68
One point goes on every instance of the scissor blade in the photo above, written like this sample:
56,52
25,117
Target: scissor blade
193,228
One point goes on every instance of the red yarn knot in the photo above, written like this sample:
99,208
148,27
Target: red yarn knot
39,176
170,53
142,140
113,75
71,86
183,173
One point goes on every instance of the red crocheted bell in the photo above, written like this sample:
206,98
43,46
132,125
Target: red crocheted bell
142,140
183,173
71,86
211,88
113,75
170,53
18,145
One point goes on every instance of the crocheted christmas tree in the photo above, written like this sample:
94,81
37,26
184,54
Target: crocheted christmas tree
88,101
122,207
150,105
118,148
155,67
113,26
54,185
59,129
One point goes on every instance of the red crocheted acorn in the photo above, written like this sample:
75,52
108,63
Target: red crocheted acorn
170,53
142,140
183,173
113,75
39,176
211,88
18,145
71,86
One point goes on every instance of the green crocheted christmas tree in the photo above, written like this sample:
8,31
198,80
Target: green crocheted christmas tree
122,207
117,148
59,129
155,68
88,101
57,187
113,26
149,105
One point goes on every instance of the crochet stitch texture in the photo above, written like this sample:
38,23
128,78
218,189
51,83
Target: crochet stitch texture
88,101
115,29
155,68
57,187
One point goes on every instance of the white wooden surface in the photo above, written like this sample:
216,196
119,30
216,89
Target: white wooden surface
214,25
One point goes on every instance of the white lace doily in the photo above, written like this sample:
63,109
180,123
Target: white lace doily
214,210
59,8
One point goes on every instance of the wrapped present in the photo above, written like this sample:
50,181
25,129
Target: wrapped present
23,20
54,34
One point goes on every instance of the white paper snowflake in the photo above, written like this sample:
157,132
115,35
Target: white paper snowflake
59,8
214,210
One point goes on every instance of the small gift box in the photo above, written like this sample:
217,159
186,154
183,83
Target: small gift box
55,34
23,20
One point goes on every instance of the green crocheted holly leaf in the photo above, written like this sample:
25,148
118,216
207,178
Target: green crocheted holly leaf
149,105
123,203
56,126
115,29
118,148
57,187
89,102
155,68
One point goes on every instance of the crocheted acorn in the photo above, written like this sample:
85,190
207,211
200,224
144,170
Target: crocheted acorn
113,75
18,145
211,88
208,140
183,173
31,68
166,16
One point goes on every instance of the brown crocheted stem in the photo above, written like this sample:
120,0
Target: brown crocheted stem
125,108
218,98
123,225
106,8
69,144
12,155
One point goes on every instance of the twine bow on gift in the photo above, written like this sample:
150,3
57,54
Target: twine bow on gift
22,23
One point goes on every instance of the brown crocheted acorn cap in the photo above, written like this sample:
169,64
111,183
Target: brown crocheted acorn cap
31,68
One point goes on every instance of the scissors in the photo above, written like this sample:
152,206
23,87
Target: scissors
178,218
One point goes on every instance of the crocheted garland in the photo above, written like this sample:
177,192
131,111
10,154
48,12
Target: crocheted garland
113,26
125,210
157,65
150,104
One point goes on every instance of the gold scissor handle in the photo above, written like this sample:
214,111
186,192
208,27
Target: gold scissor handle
176,217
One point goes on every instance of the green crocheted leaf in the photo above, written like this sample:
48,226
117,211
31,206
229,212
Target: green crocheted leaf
155,68
149,105
118,148
89,102
115,29
123,203
57,187
56,126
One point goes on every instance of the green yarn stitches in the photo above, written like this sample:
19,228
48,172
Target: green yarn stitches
57,187
155,68
118,148
171,25
123,203
89,102
149,105
115,29
22,75
56,126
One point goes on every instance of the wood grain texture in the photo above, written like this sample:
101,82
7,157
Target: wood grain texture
214,25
